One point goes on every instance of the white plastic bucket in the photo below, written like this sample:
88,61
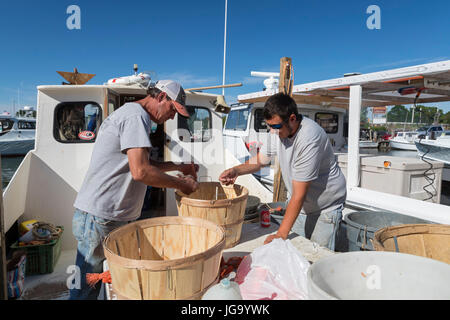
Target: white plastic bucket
372,275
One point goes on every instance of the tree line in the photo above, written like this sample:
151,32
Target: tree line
422,114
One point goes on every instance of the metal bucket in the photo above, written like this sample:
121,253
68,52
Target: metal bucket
374,275
361,226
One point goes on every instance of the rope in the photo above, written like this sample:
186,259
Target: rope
55,232
93,278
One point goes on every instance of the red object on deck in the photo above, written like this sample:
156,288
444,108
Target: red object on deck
265,218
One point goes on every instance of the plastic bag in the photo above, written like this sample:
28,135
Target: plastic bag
16,274
275,271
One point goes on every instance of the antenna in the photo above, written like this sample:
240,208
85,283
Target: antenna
271,82
224,48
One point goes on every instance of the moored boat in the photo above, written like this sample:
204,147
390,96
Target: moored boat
404,140
16,135
438,150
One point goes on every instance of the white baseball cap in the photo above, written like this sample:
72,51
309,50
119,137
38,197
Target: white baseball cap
175,92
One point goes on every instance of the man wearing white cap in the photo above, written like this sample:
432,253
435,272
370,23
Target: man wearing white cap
113,190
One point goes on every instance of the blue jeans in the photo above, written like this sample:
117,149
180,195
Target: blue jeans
90,231
321,228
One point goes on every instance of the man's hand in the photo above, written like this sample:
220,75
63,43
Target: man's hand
189,169
274,236
188,185
228,176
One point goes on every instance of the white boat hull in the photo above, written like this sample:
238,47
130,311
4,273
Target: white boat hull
433,151
402,145
368,144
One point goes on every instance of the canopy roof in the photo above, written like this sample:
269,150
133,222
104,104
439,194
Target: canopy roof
378,88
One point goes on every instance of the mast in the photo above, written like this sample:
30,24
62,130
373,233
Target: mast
224,48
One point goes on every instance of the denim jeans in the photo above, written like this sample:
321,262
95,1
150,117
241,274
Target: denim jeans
321,228
90,231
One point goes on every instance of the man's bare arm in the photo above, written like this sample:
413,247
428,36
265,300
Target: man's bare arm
142,171
252,165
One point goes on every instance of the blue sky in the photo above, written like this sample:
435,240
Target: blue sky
183,40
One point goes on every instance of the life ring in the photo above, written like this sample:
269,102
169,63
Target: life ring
86,135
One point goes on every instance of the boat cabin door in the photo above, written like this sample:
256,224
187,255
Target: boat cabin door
112,102
195,139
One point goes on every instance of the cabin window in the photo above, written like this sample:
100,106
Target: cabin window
77,122
328,121
237,120
6,124
26,125
196,128
129,98
260,123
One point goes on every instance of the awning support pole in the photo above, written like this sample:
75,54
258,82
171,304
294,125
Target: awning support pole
353,136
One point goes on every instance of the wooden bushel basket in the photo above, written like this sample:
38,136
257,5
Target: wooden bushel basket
224,205
165,258
426,240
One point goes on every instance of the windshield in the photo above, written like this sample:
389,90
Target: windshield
237,120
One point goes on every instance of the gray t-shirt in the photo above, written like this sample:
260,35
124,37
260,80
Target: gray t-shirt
308,156
108,190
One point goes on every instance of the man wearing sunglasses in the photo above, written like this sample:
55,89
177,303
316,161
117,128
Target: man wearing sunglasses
113,190
316,186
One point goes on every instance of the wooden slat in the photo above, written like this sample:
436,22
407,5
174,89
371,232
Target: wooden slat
125,281
174,242
217,215
210,270
402,100
438,247
442,76
148,244
188,281
128,246
155,285
195,242
154,236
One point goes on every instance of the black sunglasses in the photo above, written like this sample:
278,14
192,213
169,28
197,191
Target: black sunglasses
275,126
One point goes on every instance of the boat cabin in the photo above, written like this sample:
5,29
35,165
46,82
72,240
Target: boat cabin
8,123
68,119
245,131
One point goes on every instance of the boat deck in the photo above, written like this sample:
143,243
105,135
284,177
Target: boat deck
53,286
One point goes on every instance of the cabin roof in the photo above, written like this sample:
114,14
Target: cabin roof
121,89
378,88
